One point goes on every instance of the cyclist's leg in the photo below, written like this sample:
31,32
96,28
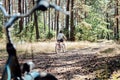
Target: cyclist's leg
57,47
64,46
63,42
58,43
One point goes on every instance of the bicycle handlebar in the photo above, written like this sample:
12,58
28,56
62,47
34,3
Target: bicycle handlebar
11,20
42,5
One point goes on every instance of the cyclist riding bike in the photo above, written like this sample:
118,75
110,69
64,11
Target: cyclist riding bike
61,37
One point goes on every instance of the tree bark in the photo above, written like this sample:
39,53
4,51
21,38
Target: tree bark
9,10
21,20
116,29
36,24
55,23
67,20
72,33
108,36
58,18
49,21
44,18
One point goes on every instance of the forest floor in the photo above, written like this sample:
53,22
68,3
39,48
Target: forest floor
81,61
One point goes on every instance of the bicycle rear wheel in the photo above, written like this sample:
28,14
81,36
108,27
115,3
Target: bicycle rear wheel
57,48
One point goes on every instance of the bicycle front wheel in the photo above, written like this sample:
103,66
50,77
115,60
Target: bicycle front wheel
63,49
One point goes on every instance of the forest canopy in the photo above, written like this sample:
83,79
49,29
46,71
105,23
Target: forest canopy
88,20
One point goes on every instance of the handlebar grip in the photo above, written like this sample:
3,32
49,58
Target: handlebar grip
39,76
11,21
42,5
47,76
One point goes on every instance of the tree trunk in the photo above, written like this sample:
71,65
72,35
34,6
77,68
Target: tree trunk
58,18
5,4
44,18
67,20
116,31
55,23
85,12
72,30
9,9
49,21
108,36
36,24
21,20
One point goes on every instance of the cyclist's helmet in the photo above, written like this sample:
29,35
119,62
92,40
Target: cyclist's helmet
61,31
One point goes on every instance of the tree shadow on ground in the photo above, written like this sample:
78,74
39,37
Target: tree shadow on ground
87,63
73,63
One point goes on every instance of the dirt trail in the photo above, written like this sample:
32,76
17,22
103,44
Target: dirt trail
77,64
66,66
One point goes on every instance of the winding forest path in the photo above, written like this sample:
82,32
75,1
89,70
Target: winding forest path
67,66
98,61
88,63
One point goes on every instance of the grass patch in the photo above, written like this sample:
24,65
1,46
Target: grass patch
115,75
46,47
109,50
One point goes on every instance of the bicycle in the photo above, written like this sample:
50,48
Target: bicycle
60,47
12,70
